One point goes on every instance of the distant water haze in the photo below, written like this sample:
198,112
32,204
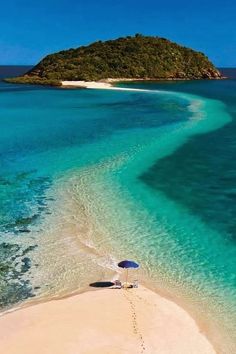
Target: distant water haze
228,72
13,70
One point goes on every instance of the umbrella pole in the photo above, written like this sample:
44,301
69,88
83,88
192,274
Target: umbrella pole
126,278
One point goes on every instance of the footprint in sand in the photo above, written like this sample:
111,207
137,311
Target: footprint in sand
136,330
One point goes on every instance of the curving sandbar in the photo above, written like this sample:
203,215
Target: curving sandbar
106,321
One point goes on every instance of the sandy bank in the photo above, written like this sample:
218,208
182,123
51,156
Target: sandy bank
105,84
87,84
104,321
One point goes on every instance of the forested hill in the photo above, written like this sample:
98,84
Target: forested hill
138,57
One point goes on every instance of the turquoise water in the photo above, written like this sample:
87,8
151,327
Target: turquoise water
88,177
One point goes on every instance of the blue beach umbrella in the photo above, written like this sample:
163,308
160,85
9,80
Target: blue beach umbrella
128,264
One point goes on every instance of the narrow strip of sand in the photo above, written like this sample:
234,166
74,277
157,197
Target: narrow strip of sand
104,85
87,84
106,321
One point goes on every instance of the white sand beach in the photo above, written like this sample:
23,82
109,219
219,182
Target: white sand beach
106,321
87,84
103,84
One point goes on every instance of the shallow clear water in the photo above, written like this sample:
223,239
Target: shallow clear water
88,177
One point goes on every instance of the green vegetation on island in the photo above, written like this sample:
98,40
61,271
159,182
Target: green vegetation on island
138,57
34,80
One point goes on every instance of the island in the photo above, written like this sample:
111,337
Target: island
136,57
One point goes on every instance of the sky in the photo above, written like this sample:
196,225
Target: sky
29,30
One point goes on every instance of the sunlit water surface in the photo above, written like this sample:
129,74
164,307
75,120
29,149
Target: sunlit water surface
88,177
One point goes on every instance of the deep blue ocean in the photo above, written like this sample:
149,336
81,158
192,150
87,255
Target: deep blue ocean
88,177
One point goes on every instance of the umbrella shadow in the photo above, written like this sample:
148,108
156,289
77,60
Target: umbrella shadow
101,284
